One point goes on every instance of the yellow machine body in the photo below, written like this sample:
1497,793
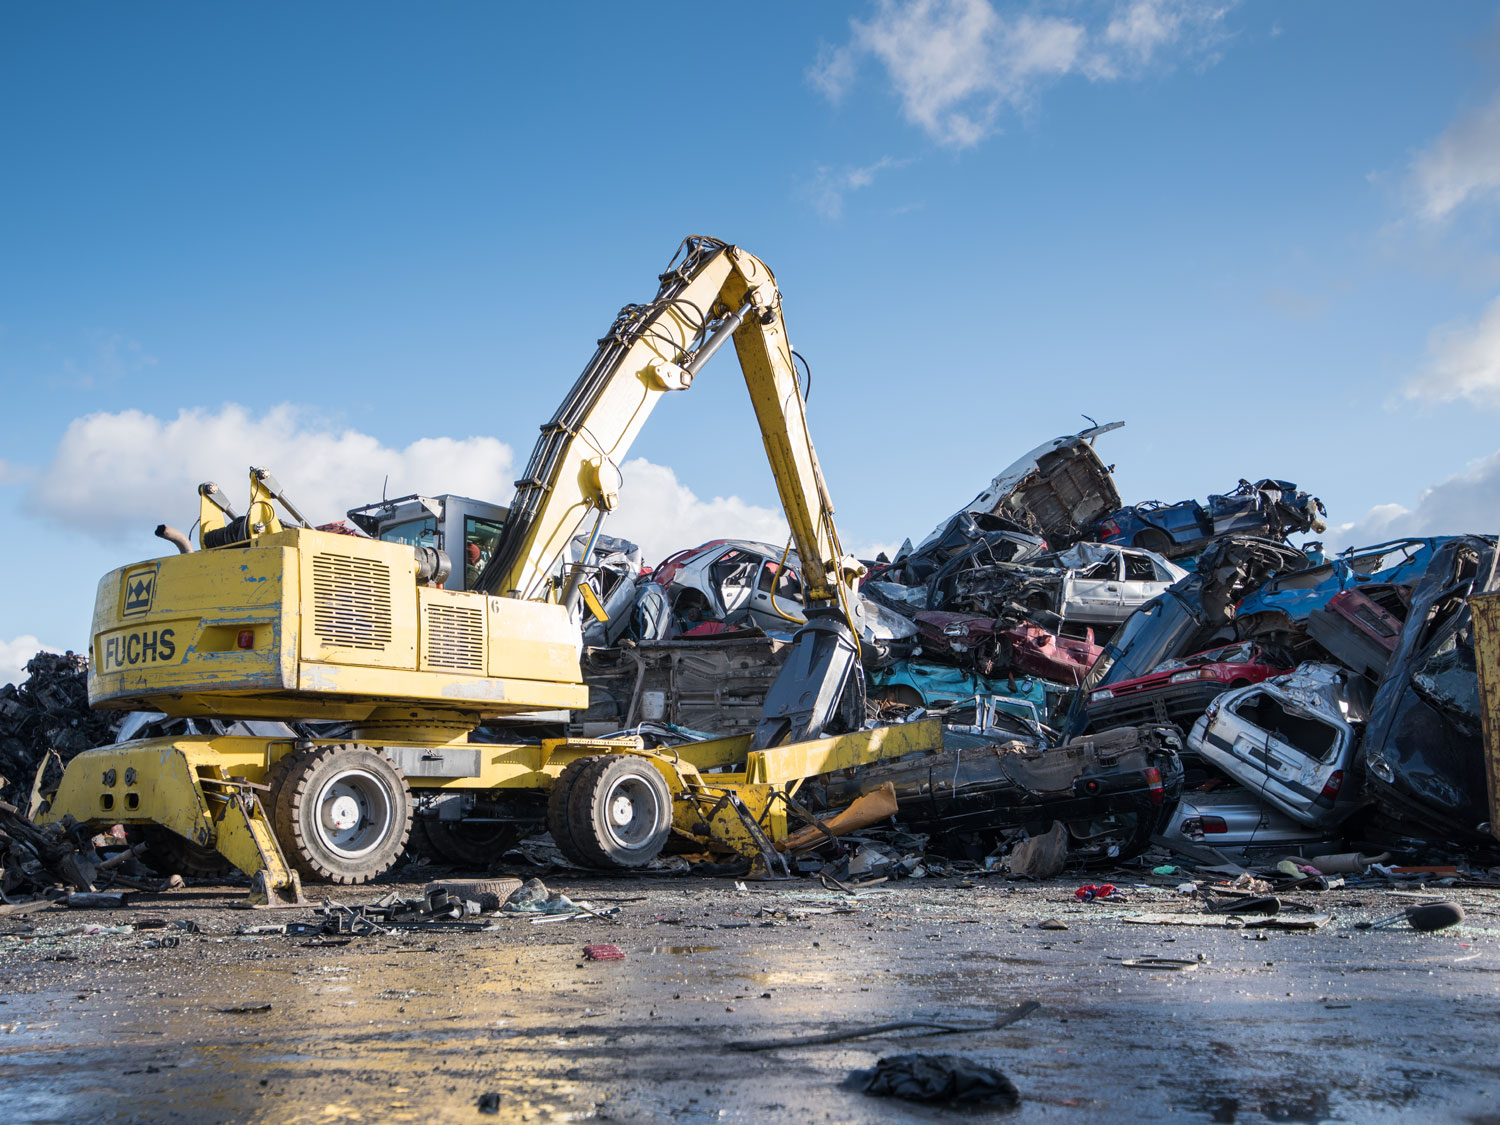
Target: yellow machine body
312,625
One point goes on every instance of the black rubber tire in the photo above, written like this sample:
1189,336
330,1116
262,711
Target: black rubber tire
1154,541
612,786
306,831
171,854
275,780
461,844
489,893
557,810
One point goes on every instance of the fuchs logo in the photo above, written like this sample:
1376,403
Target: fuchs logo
140,588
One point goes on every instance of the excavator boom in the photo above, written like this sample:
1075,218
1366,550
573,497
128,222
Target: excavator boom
710,291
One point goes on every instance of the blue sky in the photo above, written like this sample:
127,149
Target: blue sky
358,240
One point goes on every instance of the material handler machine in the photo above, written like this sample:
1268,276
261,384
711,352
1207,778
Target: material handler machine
272,619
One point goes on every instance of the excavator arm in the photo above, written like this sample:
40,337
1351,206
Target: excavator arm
711,292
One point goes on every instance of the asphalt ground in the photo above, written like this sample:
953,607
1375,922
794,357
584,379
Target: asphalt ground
1332,1024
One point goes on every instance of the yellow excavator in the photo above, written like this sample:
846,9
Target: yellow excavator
272,619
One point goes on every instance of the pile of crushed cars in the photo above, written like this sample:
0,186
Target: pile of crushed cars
1177,673
1109,678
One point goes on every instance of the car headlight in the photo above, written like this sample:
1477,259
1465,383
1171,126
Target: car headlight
1186,677
1101,696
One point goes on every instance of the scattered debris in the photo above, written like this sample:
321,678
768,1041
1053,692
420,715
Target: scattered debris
605,952
940,1078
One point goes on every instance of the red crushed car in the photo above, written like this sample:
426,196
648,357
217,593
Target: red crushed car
1050,656
1179,691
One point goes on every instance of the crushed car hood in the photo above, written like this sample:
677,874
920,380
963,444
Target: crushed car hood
1060,490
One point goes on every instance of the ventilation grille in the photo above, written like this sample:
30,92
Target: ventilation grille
454,637
351,602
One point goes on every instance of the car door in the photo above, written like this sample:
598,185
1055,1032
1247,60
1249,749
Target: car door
1092,593
1144,579
776,603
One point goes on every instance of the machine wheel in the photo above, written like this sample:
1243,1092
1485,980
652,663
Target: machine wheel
343,814
171,854
462,844
620,811
1154,541
557,810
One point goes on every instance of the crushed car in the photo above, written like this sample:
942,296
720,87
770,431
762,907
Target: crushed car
990,789
1059,491
1179,690
734,583
1274,509
1290,740
1423,749
1089,584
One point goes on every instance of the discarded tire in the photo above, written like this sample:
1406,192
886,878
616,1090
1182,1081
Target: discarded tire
619,811
489,893
343,813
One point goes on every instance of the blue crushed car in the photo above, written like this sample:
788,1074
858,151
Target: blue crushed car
1272,508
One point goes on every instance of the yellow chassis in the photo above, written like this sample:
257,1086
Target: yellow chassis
205,788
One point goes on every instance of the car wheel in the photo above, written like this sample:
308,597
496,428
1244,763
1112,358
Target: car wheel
344,813
1152,540
620,811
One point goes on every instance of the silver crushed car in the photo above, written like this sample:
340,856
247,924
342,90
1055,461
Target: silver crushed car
1290,740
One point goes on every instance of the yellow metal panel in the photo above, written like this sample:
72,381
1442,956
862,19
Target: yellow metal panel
359,601
172,626
716,753
170,782
477,694
535,641
453,633
1486,611
781,765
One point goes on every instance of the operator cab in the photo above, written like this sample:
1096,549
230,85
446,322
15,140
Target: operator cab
452,524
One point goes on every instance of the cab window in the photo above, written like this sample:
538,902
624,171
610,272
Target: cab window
414,533
480,539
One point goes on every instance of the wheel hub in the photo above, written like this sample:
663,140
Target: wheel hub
621,809
343,813
353,813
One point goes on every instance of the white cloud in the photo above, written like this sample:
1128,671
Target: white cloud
15,653
830,185
1468,502
1461,167
956,65
1463,362
663,515
114,474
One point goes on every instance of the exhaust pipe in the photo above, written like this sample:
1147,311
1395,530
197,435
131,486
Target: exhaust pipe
174,537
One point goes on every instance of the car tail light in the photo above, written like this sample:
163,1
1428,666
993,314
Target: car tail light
1153,783
1101,696
246,639
1186,677
1331,789
1213,825
1108,529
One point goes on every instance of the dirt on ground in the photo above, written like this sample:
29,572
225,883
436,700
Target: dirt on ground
164,1010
